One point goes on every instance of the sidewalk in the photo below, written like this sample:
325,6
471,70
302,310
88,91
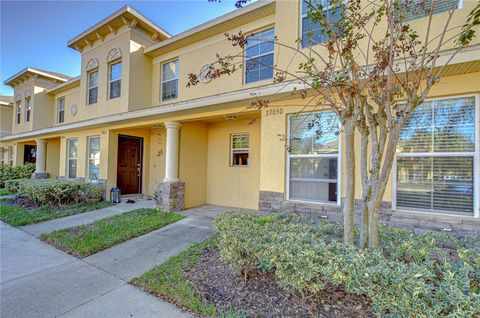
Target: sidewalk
38,280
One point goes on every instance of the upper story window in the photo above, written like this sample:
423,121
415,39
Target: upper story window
313,157
170,80
259,56
436,157
19,111
411,10
61,110
72,155
313,33
240,148
115,80
28,109
92,81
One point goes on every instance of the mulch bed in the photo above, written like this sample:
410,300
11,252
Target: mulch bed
262,297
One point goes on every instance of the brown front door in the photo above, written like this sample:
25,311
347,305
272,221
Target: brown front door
129,167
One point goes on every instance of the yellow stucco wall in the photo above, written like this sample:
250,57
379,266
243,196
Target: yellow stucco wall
192,168
53,157
227,185
6,114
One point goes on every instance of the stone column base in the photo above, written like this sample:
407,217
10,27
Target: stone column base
40,175
171,196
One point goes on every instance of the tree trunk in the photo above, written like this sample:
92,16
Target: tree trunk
349,204
378,188
364,225
366,191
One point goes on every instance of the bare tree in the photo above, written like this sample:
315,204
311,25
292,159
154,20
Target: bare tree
372,69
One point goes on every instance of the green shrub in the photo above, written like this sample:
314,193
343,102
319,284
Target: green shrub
57,192
12,185
11,173
409,276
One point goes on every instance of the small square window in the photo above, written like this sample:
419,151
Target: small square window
240,149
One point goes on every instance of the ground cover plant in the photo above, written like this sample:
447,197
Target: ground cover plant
16,215
428,275
272,266
84,240
4,192
21,172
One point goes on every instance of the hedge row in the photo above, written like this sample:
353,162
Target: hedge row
409,276
11,173
55,192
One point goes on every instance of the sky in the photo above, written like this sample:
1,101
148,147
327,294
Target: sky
35,33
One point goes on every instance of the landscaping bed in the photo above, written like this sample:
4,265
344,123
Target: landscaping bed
271,266
14,213
47,199
84,240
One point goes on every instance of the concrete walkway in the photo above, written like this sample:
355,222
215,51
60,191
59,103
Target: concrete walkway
38,280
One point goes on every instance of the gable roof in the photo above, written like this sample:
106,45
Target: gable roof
36,71
6,100
71,83
246,14
124,15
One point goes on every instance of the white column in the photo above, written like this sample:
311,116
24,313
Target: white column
41,152
171,153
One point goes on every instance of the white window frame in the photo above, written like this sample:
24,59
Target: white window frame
256,57
18,112
110,81
71,158
339,167
247,150
89,88
89,159
476,165
59,110
28,109
170,80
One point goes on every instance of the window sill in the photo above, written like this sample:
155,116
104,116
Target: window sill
325,203
261,82
443,213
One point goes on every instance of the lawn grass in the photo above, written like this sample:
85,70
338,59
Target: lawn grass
168,282
18,216
4,192
88,239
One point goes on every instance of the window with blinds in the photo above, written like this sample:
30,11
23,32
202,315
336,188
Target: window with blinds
312,32
436,157
313,157
415,9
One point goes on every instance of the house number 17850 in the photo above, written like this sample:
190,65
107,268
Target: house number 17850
273,112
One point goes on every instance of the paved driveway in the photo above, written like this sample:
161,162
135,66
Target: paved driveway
38,280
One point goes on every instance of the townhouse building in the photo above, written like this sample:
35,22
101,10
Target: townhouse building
129,120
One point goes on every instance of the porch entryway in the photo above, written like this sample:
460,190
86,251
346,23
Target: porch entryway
129,164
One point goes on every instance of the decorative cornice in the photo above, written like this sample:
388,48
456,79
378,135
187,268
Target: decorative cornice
91,64
114,54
